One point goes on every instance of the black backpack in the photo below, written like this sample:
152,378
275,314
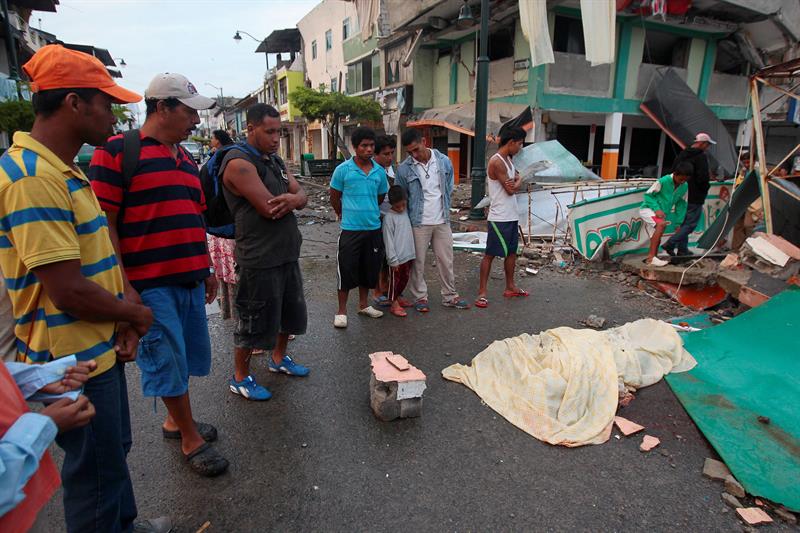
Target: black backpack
219,219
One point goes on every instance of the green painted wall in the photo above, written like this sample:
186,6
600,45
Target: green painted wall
423,79
354,47
694,67
441,82
464,82
634,60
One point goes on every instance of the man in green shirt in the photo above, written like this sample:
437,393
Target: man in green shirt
666,195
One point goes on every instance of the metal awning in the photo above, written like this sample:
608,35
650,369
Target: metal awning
280,41
461,117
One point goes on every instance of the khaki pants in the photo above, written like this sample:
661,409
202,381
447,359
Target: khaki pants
440,237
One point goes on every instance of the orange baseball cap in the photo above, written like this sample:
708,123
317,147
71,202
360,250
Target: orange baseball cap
56,67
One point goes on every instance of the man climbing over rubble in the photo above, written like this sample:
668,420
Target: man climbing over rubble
699,183
666,195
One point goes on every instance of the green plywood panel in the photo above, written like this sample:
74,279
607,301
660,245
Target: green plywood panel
750,367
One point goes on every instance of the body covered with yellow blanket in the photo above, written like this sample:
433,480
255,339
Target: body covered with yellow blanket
562,386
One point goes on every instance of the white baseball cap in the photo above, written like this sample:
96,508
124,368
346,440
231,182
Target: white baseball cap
699,138
169,85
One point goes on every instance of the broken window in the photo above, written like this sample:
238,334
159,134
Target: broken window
501,43
568,36
662,48
394,72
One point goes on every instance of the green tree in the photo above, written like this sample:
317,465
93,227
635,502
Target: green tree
16,115
122,113
331,108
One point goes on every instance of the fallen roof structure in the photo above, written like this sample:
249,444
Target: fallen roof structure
677,110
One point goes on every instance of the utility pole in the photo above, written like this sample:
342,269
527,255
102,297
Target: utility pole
481,103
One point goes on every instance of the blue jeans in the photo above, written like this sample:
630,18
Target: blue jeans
98,494
680,239
177,345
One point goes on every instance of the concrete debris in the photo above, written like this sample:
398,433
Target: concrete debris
594,321
626,399
531,271
626,426
731,501
730,261
767,251
395,387
734,487
786,515
703,273
648,443
753,516
716,470
763,419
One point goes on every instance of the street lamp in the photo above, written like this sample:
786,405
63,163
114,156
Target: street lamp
221,98
465,19
481,103
238,38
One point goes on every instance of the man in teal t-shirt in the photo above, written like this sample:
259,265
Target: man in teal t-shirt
357,189
664,196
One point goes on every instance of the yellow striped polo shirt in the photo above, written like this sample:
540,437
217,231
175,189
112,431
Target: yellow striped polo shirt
48,214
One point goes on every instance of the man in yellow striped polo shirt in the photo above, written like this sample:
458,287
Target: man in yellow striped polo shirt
63,279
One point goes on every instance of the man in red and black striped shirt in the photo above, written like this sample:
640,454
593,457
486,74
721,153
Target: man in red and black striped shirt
157,227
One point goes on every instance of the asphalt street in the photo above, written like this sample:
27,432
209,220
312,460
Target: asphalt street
315,459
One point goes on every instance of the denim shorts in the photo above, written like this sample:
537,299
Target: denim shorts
177,345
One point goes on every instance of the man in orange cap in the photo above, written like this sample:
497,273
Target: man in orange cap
63,279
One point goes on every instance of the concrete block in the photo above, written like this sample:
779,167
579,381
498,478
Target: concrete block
786,515
704,273
734,487
716,470
395,393
753,516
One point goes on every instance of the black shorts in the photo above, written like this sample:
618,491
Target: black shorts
359,259
503,239
269,301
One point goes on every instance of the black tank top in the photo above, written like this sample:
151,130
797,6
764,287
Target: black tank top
262,242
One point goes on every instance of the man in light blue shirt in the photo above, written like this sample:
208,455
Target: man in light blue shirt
357,189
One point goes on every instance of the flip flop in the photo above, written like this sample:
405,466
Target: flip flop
422,306
207,461
382,301
399,312
404,303
207,431
512,294
482,302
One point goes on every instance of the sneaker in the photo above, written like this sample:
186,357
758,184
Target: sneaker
288,366
249,389
656,262
340,321
371,312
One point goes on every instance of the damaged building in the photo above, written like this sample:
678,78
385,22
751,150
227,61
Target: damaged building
419,60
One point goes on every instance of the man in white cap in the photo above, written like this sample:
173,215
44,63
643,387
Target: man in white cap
699,183
149,187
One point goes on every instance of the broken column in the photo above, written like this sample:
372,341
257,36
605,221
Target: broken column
395,387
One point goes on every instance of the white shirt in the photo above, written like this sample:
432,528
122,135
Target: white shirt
386,206
503,206
430,179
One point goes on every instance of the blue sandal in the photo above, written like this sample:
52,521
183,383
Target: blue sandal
422,306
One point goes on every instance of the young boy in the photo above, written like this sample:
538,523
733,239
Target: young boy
666,194
398,240
503,238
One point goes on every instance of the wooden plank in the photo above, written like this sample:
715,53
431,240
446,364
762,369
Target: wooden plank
762,157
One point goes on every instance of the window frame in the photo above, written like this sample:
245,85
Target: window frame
329,40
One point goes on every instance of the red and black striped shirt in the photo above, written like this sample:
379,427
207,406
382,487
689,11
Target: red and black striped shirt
161,228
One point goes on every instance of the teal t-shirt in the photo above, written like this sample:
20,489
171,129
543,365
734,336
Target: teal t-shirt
360,191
